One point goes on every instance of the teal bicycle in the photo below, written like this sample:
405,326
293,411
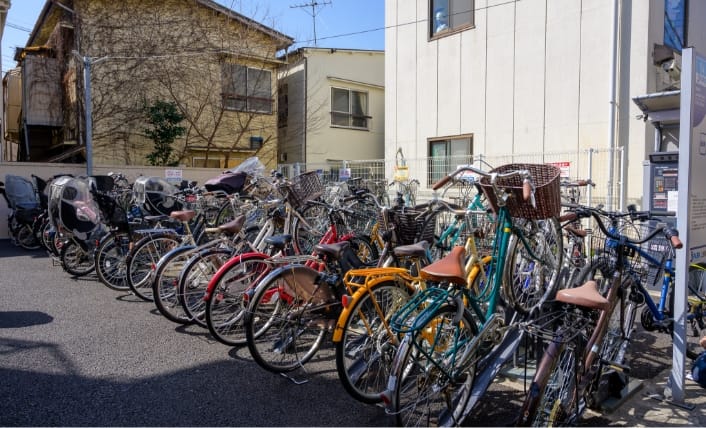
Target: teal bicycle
448,329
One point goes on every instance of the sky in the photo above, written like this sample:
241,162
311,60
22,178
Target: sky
351,24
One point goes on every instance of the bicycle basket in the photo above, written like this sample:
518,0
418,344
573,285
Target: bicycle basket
302,188
547,190
408,226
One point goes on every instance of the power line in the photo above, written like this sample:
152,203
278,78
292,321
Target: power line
18,27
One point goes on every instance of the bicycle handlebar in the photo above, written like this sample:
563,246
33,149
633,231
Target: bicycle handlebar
672,234
527,187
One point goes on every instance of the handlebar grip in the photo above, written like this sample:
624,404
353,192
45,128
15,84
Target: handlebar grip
582,183
442,182
569,216
526,189
676,242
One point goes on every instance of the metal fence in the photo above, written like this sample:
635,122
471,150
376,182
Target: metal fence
605,167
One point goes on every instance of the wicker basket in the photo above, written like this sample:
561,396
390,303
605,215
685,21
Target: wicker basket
302,188
547,191
408,226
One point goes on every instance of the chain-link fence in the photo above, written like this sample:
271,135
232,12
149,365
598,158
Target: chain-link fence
605,167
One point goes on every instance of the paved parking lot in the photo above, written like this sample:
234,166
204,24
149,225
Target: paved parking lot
75,353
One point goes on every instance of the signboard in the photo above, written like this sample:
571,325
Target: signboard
173,176
564,167
691,200
401,173
344,174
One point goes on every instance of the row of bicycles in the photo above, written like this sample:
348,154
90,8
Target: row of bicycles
422,304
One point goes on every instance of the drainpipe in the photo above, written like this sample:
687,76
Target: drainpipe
306,106
613,101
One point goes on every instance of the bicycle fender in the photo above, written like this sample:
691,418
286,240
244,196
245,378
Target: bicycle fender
227,266
359,294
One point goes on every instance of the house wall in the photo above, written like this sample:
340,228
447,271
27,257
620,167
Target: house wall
292,135
531,77
355,70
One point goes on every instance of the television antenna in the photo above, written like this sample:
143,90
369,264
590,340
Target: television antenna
313,4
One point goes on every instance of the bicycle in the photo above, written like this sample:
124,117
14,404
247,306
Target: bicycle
229,290
650,265
588,333
448,329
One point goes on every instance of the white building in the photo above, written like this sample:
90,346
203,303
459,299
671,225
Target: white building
331,107
544,77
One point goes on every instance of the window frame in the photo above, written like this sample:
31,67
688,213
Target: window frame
351,117
434,175
434,35
210,159
249,102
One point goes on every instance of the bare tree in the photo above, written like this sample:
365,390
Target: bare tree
183,52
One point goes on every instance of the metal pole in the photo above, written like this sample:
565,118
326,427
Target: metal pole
622,178
589,191
613,102
88,120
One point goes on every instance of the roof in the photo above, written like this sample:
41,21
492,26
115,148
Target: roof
53,9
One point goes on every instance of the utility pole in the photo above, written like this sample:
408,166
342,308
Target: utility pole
313,4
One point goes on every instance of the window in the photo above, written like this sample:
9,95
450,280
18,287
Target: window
445,155
282,105
449,16
349,108
246,89
675,24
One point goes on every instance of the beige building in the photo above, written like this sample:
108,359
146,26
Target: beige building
504,78
214,65
331,107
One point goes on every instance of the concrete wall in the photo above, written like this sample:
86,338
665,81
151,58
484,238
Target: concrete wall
531,76
45,170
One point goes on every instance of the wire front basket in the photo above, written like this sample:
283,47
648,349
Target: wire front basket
302,188
407,226
547,190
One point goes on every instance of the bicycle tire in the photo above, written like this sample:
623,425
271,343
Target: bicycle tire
552,399
422,394
109,259
165,284
142,260
283,331
528,283
26,238
364,353
228,293
194,278
75,260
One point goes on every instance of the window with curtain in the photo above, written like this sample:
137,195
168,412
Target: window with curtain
446,154
349,108
246,89
448,16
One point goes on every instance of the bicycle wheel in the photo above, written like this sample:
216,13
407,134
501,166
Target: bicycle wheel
143,259
228,294
165,285
365,250
434,377
364,353
75,259
194,278
109,259
553,400
696,306
26,238
533,263
285,323
309,233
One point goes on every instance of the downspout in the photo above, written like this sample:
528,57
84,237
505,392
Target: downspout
613,101
306,107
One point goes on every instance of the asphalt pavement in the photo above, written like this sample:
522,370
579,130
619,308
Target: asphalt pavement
75,353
